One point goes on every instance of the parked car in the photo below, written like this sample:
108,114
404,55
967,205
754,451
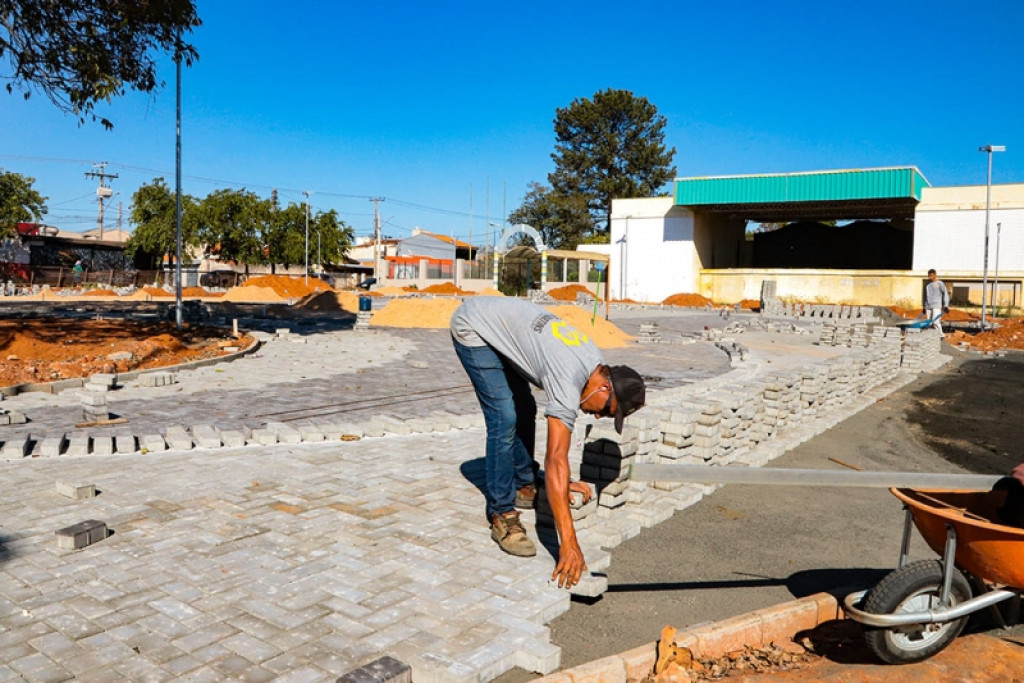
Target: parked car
218,278
367,283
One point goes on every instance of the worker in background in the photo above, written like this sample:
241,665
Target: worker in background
76,273
935,300
506,345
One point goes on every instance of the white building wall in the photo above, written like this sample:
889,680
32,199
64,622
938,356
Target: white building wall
652,250
949,229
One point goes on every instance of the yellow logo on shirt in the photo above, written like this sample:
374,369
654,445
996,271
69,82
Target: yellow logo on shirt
568,334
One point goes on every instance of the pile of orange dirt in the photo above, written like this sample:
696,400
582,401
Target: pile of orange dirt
568,293
750,305
1009,335
687,300
330,302
252,295
444,288
954,314
156,291
100,292
288,287
198,291
490,291
45,350
391,290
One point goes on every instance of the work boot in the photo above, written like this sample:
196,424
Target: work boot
526,497
508,532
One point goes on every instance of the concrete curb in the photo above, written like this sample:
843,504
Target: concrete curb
707,641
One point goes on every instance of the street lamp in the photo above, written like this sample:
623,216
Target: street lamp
995,287
988,207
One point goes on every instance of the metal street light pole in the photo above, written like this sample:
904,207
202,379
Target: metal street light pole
995,287
988,206
177,186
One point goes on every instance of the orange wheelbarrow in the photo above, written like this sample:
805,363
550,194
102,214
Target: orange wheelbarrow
921,607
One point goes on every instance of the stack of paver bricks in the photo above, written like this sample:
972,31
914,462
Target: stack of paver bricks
649,334
921,350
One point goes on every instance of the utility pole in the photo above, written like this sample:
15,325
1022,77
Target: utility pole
376,235
103,191
307,238
119,222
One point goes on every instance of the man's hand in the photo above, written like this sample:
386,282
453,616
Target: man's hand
570,565
580,488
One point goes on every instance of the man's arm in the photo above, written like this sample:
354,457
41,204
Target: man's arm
556,481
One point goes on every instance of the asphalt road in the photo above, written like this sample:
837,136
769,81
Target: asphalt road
748,547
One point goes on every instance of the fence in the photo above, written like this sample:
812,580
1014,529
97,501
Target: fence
61,276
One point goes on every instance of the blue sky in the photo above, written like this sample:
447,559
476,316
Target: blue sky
420,102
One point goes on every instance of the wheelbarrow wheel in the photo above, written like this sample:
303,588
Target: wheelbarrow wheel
914,588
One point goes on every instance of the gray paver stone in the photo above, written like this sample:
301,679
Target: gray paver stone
102,445
81,535
52,446
75,491
153,443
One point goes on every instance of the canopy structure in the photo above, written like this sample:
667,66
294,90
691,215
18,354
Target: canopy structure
818,195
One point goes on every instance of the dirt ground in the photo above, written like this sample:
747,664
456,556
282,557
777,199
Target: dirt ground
45,350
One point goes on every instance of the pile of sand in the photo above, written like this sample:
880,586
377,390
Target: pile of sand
194,292
288,287
421,313
568,293
750,305
444,288
391,290
100,292
262,295
687,300
490,291
326,302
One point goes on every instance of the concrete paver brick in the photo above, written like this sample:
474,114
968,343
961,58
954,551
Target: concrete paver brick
74,490
125,443
52,446
206,436
153,443
15,447
80,535
102,445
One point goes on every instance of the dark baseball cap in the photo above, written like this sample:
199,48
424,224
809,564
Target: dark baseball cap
630,392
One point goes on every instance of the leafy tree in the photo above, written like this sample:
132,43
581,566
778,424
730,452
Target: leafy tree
612,146
563,221
81,53
287,242
153,212
234,224
19,203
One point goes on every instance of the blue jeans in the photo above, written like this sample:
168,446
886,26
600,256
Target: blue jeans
509,414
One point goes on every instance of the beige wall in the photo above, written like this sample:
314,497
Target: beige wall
837,286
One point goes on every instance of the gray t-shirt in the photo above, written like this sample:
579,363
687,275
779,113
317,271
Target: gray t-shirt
546,350
935,295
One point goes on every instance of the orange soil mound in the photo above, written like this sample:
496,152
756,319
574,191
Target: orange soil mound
954,315
196,291
687,300
1009,335
750,305
41,350
252,295
391,290
490,291
603,333
443,288
156,291
100,292
327,302
568,293
422,313
288,287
